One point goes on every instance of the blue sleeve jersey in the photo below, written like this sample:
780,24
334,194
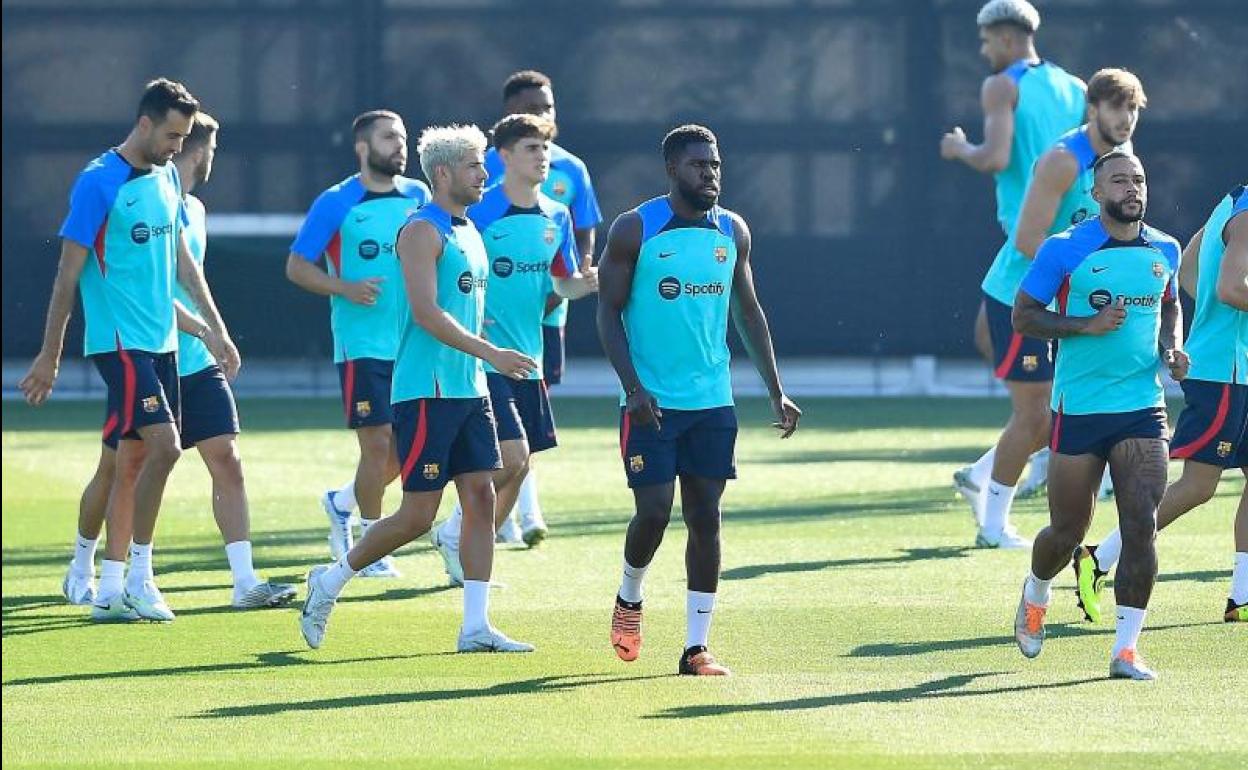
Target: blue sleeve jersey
1085,269
355,230
130,221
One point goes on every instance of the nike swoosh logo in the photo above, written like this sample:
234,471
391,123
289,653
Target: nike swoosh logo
665,254
130,203
363,218
1100,269
499,236
704,612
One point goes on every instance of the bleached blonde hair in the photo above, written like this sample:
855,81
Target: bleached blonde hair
1020,13
446,145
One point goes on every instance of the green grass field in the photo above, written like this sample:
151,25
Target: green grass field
862,629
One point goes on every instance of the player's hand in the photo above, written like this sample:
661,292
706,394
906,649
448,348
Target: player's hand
952,144
787,415
1107,319
512,363
363,292
589,274
37,384
1178,362
232,360
643,409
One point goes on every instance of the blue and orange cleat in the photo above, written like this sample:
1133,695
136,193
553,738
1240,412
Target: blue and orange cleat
626,629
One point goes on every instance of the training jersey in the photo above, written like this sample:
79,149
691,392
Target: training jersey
1085,269
1050,103
676,317
355,229
1218,339
1076,204
129,220
526,248
426,367
569,184
193,354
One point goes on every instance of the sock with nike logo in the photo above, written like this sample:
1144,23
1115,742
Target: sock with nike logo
997,507
698,609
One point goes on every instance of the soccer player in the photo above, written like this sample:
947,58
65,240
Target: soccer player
1212,434
442,415
1058,196
1115,280
568,182
1028,104
209,421
353,225
532,252
673,270
123,243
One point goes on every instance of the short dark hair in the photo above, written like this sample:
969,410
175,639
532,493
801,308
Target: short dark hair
513,128
1112,155
682,136
363,123
162,95
523,81
203,129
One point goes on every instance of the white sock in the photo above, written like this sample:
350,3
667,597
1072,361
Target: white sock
1036,591
140,566
997,507
476,605
698,609
1039,470
344,499
238,554
526,502
1108,551
84,556
1239,579
981,471
112,575
1127,631
334,579
630,585
449,532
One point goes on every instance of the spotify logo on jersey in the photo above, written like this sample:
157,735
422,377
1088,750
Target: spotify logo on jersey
140,233
669,288
1099,299
465,282
503,267
369,249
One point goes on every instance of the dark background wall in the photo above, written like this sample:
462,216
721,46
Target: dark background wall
829,114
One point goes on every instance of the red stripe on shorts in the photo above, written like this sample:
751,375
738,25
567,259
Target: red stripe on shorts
1219,419
418,442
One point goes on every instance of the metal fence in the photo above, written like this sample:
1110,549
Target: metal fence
829,113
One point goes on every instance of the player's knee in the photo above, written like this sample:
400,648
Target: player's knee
477,498
226,466
1139,530
162,454
703,523
376,449
413,524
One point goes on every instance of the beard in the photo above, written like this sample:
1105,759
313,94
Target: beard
696,197
1115,211
391,165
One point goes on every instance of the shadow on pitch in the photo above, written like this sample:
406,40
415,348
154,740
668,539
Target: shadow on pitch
952,455
751,571
947,687
537,686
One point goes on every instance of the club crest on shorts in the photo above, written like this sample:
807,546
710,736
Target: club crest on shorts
151,404
363,408
636,464
1031,363
431,471
1158,270
721,254
549,235
1224,449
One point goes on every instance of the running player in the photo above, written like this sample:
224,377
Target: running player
1212,434
1028,104
209,421
568,182
532,251
672,271
353,224
1115,280
123,243
442,415
1058,196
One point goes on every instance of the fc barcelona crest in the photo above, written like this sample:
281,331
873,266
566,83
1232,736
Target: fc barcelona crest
1224,449
431,471
549,236
636,464
151,404
1030,363
1158,270
721,254
363,408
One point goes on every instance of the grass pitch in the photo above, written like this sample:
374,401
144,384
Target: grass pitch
862,629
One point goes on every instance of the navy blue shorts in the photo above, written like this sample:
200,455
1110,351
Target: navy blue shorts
553,353
366,391
696,442
441,438
1015,357
208,408
1081,434
522,409
1213,427
142,390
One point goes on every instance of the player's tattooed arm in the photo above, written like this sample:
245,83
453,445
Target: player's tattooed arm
191,277
37,384
751,323
1232,284
615,284
1032,319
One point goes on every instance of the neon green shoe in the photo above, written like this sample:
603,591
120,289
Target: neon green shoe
1235,613
1091,582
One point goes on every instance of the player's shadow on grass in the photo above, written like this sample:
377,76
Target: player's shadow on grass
1053,630
947,687
537,686
752,571
944,455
